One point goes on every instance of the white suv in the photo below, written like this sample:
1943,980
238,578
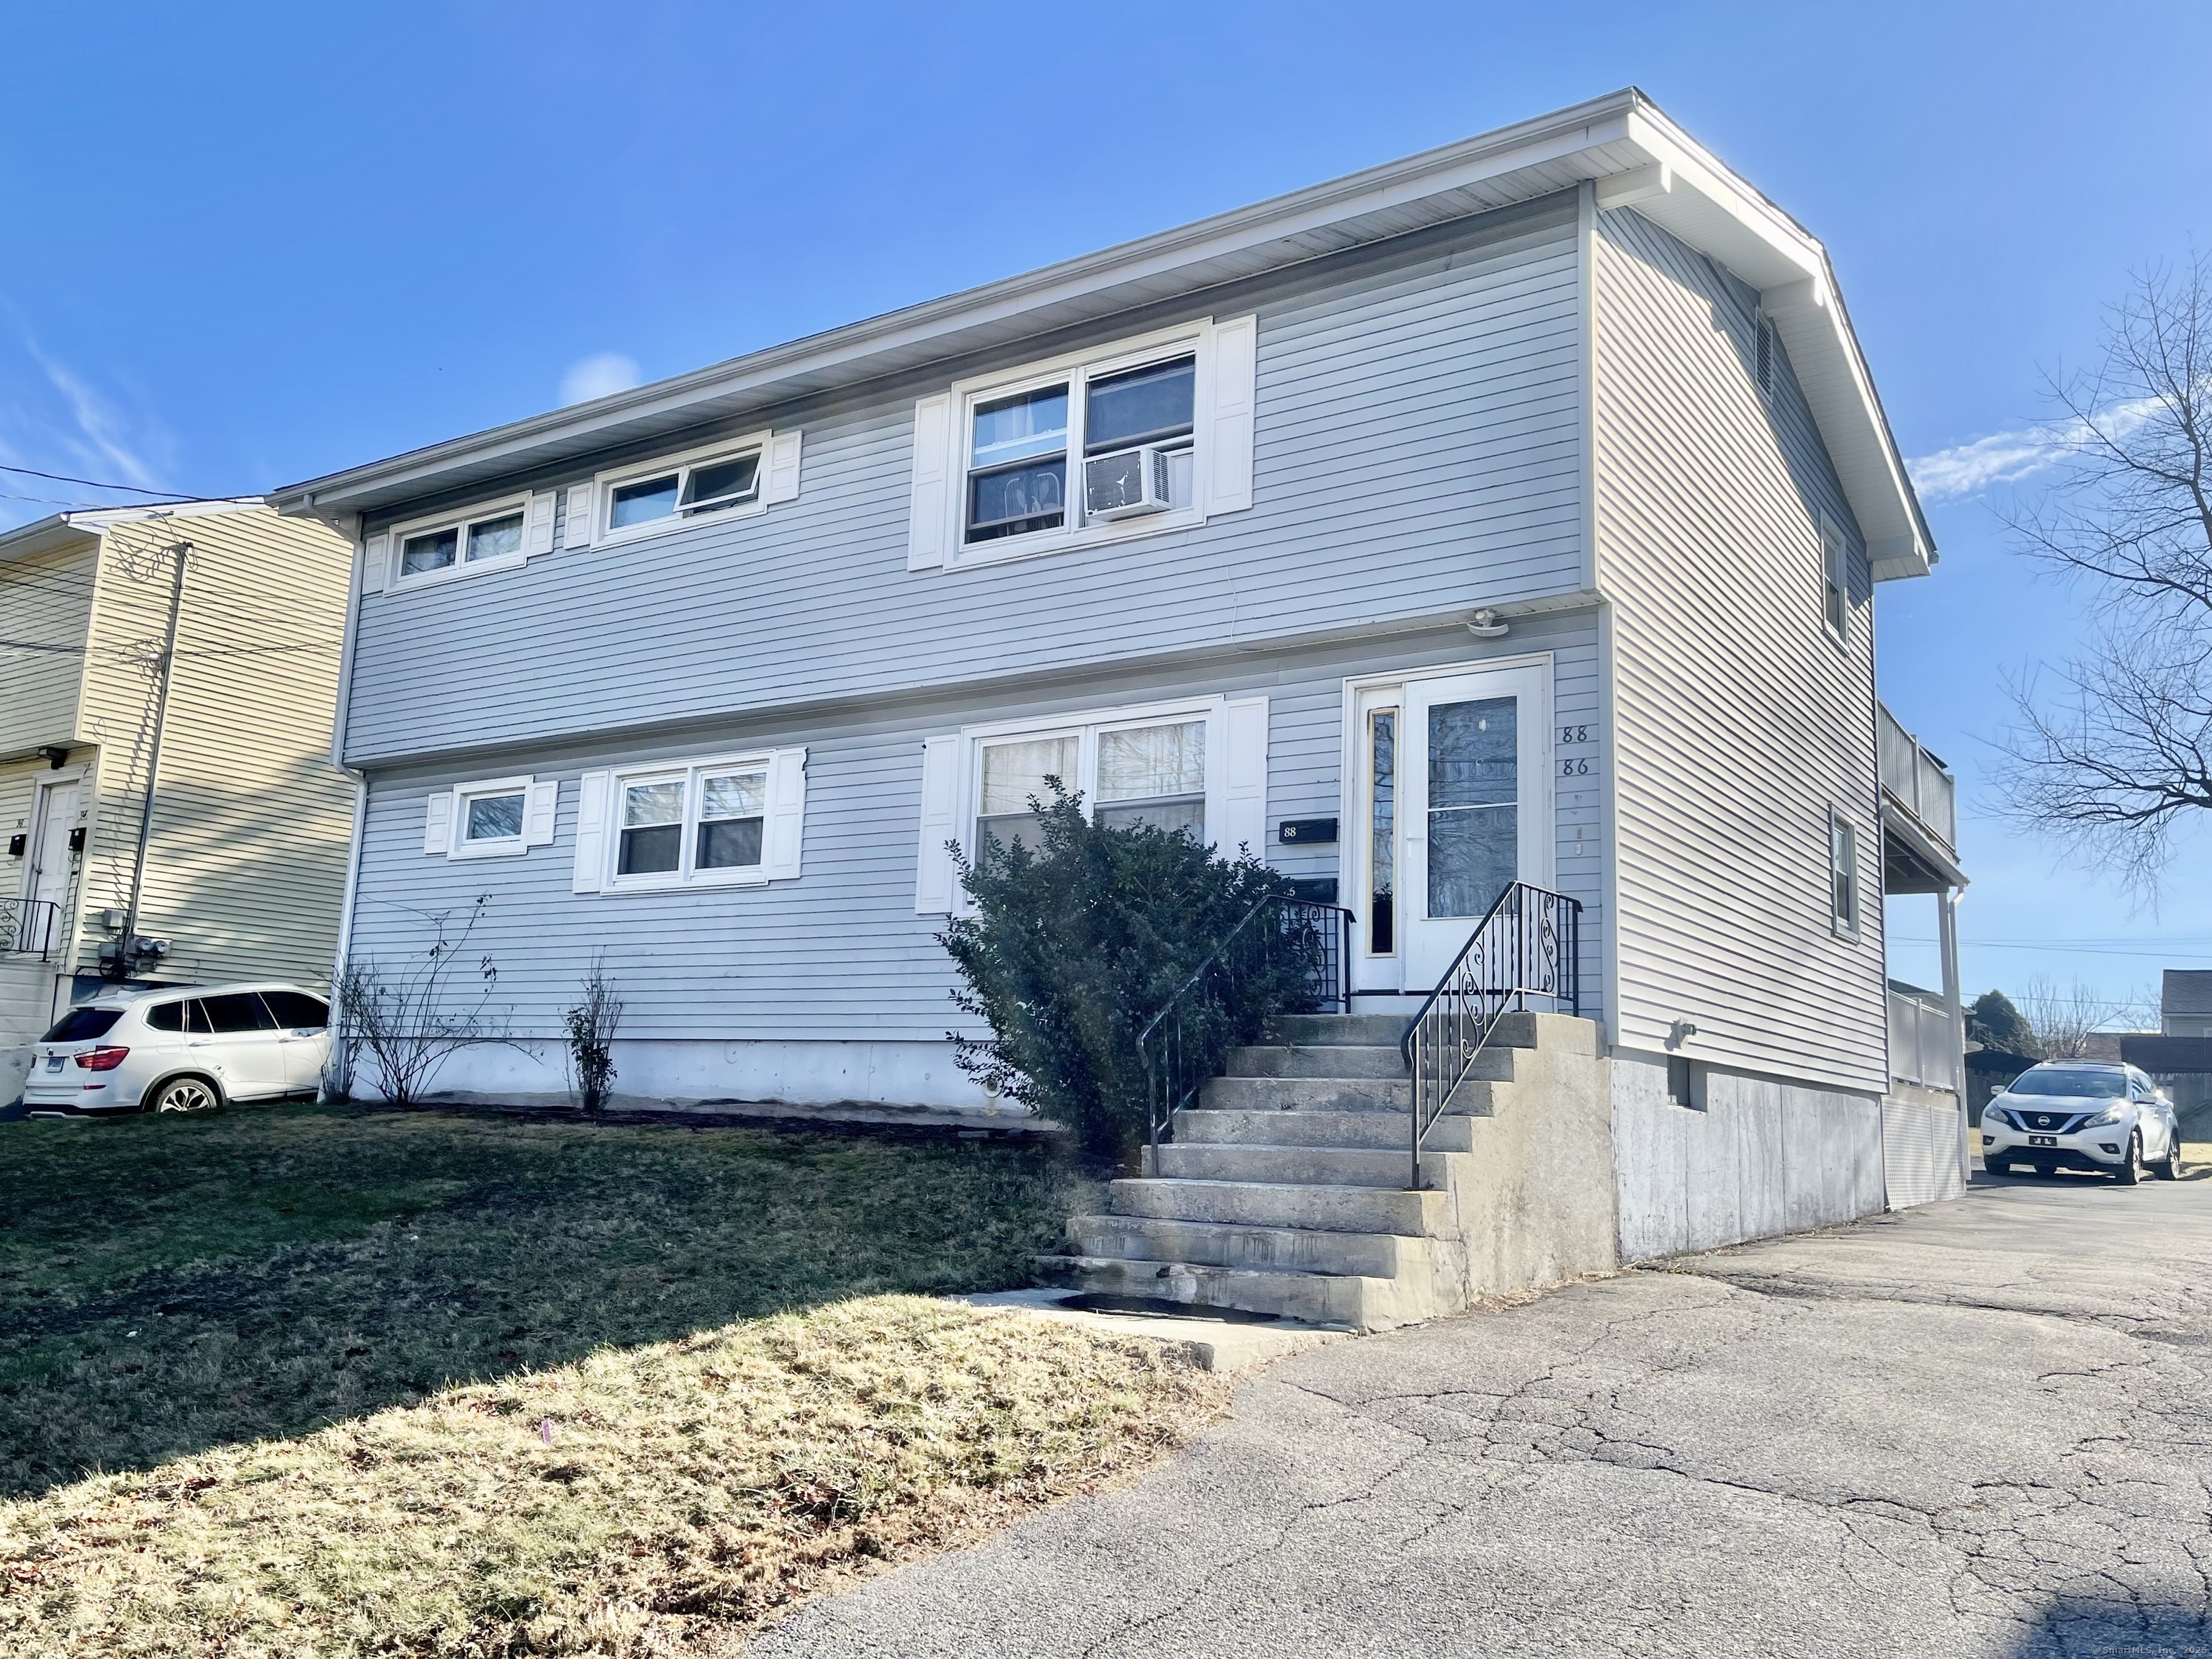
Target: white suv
2082,1115
181,1050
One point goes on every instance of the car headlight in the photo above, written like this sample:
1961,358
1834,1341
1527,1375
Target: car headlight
1997,1114
2106,1118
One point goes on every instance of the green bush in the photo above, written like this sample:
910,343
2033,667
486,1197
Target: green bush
1076,944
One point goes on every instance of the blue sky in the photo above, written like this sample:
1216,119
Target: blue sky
246,244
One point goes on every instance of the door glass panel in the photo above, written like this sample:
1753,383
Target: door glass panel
1473,820
1012,773
1382,832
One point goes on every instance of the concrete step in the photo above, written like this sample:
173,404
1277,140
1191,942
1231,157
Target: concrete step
1453,1133
1273,1204
1307,1094
1317,1060
1561,1033
1294,1249
1331,1299
1301,1166
1359,1030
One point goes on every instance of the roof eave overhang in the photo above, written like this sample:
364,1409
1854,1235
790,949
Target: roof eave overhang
1636,156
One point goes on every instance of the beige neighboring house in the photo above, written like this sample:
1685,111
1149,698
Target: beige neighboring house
240,870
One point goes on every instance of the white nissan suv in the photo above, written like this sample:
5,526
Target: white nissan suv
180,1050
2082,1115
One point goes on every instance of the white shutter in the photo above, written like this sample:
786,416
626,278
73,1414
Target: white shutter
438,823
540,803
787,813
782,484
929,505
538,537
592,831
935,875
375,554
1228,445
1243,791
577,527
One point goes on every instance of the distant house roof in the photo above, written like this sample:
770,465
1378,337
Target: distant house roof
2164,1056
2186,992
1622,142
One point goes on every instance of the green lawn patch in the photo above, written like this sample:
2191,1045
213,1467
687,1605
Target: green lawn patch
321,1380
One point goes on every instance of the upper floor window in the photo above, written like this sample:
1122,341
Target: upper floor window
666,493
1842,874
1835,579
495,535
1144,434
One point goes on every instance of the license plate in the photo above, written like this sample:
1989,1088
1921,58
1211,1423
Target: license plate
2042,1140
53,1062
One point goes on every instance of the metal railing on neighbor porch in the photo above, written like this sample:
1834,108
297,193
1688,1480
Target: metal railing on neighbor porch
1529,945
29,927
1181,1045
1916,779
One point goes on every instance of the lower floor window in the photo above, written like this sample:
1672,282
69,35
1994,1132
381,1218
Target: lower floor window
700,820
1153,773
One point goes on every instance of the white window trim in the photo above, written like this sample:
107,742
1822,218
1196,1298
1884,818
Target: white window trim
1076,368
603,485
683,880
396,536
512,846
1086,725
1836,925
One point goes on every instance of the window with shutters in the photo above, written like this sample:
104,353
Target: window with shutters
495,817
496,535
724,821
1139,436
735,478
1198,767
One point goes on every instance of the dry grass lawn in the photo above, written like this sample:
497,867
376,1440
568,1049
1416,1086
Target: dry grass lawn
322,1381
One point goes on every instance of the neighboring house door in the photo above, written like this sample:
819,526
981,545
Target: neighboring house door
1473,806
54,815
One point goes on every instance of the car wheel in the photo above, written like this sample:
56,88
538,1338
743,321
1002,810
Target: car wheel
185,1094
2131,1167
2169,1167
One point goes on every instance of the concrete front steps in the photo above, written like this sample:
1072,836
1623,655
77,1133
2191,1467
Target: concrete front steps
1286,1190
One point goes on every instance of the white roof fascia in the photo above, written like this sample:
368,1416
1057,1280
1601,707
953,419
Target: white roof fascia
1621,138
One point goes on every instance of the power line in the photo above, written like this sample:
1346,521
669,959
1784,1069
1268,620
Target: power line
95,484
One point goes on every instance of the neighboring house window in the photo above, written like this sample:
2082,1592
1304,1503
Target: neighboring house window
1140,436
497,535
728,821
498,818
735,478
1199,766
1835,579
1842,874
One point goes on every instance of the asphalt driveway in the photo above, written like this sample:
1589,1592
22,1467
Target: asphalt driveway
1983,1428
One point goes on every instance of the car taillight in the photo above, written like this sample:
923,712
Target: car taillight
102,1059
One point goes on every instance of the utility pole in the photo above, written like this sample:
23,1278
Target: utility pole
126,945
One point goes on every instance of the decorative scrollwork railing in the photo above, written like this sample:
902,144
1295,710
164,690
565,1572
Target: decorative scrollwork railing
29,927
1183,1045
1530,944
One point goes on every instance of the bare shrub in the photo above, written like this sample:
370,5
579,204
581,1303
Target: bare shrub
591,1025
405,1013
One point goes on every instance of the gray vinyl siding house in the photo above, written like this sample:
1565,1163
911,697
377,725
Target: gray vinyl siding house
1524,375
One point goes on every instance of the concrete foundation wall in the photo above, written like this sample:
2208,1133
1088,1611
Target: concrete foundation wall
1754,1156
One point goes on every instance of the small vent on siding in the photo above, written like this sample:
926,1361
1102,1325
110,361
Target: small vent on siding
1765,331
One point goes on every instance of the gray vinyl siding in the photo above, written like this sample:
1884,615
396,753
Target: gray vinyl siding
1418,448
1738,720
839,954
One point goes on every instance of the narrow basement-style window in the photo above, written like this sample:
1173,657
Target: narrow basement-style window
1682,1081
1842,874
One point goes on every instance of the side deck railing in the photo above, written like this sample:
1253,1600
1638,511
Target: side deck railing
1529,945
1181,1046
29,927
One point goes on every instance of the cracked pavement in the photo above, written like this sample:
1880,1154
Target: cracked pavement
1982,1428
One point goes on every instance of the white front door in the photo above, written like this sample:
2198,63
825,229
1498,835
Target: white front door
1473,806
47,879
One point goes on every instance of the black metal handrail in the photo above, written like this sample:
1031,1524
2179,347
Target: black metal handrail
1530,944
28,926
1181,1045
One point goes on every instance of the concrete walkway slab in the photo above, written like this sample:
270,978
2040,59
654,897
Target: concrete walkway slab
1228,1345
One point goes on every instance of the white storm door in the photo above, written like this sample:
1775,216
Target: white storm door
1474,803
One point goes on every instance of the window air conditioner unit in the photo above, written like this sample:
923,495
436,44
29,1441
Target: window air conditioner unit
1127,485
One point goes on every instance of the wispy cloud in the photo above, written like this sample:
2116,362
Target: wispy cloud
598,376
55,417
2004,458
